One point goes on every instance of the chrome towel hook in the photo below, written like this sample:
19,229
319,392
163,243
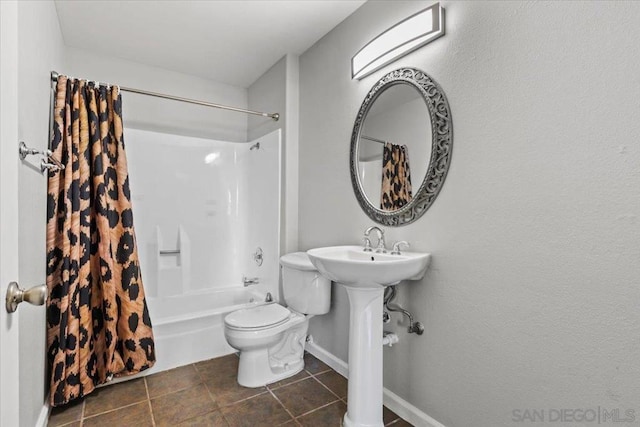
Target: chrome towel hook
48,162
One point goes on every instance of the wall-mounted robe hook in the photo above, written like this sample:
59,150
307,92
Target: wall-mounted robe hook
48,162
25,151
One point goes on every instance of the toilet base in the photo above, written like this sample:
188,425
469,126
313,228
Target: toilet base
260,366
254,369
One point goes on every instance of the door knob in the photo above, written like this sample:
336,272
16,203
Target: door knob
15,296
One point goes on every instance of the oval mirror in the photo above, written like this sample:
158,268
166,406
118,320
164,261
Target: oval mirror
401,147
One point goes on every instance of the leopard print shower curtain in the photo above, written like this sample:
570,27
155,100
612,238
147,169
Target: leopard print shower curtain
396,177
97,319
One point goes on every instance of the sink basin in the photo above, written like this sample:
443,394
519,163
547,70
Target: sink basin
351,266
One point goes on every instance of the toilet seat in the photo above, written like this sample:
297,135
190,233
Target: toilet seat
257,318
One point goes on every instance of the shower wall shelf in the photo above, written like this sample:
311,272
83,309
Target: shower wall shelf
169,251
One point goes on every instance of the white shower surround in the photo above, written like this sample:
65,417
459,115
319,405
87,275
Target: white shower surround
216,202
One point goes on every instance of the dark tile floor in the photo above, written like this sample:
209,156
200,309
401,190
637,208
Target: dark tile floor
207,394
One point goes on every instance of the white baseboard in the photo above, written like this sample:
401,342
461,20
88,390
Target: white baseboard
334,363
391,400
407,411
43,418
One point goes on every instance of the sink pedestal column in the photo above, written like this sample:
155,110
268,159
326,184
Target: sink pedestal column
364,406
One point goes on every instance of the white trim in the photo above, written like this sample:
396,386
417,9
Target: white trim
291,152
391,400
43,418
407,411
334,363
9,323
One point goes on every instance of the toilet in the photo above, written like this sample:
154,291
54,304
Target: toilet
271,338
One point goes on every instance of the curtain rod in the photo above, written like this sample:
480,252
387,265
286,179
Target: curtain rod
373,139
274,116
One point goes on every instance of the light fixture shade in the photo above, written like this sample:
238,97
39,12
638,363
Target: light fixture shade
404,37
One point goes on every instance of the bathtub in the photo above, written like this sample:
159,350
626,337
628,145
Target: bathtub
189,328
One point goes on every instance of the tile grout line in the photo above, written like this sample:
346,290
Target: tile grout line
282,404
292,382
213,398
146,388
203,382
206,387
201,377
241,400
337,398
68,423
323,385
320,372
84,405
114,409
397,420
177,389
195,366
344,399
317,409
312,375
173,391
340,399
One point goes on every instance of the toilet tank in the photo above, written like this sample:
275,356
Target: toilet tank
303,288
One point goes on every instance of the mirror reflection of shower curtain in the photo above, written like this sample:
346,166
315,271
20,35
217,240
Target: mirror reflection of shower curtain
98,323
396,177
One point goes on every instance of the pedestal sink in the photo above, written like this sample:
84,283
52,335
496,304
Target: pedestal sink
364,275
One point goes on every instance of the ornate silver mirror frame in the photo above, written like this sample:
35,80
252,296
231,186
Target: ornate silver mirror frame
441,146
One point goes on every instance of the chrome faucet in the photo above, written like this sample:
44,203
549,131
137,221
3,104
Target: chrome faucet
397,246
381,247
250,281
367,245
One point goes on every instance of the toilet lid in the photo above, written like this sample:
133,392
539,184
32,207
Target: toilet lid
297,261
257,317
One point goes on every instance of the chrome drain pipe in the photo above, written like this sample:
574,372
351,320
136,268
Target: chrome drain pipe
389,295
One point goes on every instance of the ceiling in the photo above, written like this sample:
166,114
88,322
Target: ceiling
232,42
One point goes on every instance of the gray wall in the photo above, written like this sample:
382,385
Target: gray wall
40,50
268,94
162,115
532,299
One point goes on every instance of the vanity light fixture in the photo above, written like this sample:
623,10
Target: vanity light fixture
399,40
